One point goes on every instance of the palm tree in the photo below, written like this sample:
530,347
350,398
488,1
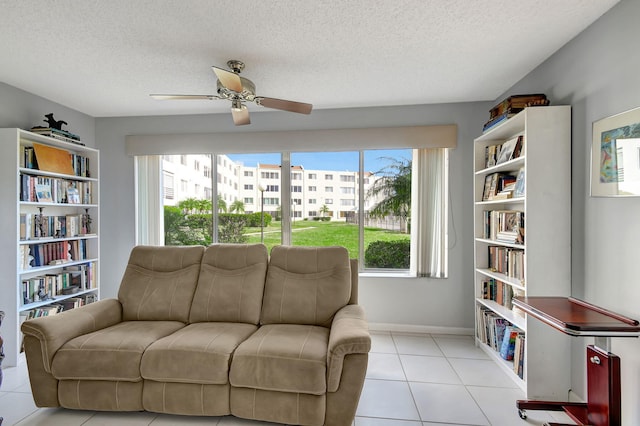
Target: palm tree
324,210
393,187
204,206
188,205
237,206
222,205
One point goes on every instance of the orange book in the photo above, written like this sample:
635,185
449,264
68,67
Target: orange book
52,159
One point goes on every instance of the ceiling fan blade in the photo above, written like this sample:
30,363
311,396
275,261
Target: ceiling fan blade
299,107
240,115
228,79
185,97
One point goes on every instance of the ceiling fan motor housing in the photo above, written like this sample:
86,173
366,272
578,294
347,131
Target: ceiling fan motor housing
248,91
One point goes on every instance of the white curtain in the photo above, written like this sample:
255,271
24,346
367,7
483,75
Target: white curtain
429,199
149,209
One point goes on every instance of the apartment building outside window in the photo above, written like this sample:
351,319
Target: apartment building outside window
261,181
168,188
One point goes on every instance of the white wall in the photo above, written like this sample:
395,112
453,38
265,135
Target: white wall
421,302
597,73
25,110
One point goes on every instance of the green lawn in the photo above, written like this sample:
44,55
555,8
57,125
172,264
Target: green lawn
312,233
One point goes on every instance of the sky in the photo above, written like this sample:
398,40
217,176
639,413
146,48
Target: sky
339,161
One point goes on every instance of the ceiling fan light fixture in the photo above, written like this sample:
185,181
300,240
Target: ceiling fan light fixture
236,105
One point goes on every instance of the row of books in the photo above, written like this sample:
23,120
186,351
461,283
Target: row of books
499,292
496,184
35,226
45,189
79,163
508,261
68,281
512,105
506,151
35,255
501,336
516,103
504,225
59,134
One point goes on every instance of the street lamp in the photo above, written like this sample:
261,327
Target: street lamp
261,189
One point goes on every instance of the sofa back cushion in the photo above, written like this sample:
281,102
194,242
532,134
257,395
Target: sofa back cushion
231,284
159,283
306,285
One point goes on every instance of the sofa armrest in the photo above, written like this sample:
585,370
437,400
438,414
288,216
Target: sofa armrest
56,330
349,335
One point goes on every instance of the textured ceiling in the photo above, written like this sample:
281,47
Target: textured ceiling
104,57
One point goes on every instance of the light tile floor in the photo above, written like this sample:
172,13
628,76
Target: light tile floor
412,380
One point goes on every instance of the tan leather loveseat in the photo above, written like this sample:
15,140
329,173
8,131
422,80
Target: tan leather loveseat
212,331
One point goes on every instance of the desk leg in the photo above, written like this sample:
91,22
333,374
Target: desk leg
603,407
603,387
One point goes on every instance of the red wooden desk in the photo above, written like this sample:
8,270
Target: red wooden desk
578,318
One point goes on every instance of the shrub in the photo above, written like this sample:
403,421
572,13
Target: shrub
388,254
231,228
253,219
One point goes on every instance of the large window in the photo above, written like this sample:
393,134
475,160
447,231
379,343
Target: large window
388,207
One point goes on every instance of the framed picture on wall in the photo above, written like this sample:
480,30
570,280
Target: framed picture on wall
615,155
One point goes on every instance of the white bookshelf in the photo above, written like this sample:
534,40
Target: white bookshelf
546,159
12,302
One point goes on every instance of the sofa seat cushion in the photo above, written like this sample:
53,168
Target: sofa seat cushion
199,353
113,353
283,357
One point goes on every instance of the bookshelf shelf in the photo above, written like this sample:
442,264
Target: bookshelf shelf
43,269
55,240
514,282
46,227
506,366
55,299
505,313
36,172
542,262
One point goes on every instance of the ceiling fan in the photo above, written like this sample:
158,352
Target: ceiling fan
240,90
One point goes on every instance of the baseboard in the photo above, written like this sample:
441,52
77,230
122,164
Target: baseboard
424,329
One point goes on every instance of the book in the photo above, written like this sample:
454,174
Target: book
491,155
73,196
516,103
518,190
508,344
508,149
43,193
59,134
53,159
487,187
497,120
